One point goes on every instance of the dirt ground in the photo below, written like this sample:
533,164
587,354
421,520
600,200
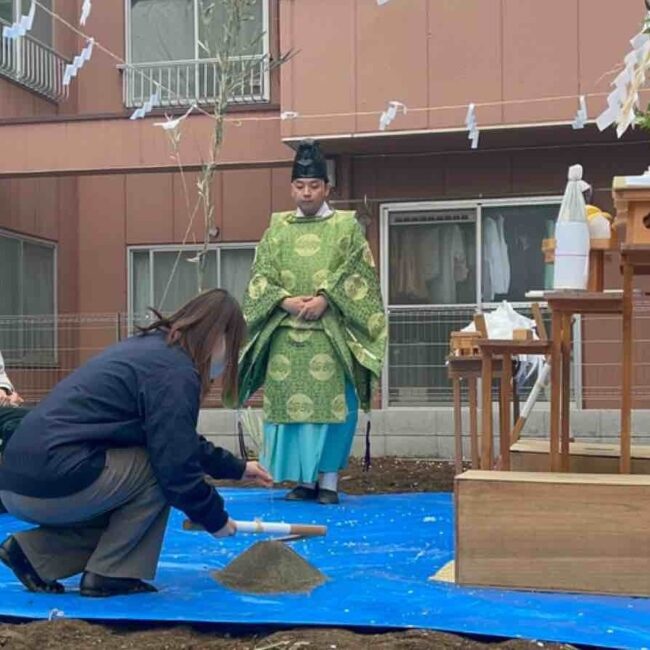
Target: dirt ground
386,475
61,634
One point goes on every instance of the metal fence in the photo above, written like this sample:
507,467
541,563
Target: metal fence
39,351
417,353
181,83
33,65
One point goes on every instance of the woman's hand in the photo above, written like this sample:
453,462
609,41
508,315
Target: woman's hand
228,530
255,472
5,399
15,399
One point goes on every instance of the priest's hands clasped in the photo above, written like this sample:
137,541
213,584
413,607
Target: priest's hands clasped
306,307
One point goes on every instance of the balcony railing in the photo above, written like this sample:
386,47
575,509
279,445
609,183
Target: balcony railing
33,65
185,82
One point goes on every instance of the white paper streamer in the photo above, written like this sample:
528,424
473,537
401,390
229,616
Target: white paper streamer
471,124
148,106
72,69
581,116
85,11
21,27
289,115
171,124
390,114
624,99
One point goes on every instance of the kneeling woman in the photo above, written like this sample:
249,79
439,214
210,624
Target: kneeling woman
99,462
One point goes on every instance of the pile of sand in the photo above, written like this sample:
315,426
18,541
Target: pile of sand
270,568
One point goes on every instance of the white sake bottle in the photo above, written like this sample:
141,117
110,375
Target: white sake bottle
571,270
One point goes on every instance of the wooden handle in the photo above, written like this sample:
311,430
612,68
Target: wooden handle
259,527
305,530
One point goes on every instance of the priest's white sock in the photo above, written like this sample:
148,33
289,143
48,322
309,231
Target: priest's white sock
328,480
309,486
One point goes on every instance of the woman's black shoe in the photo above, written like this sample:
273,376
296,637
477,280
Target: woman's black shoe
302,493
13,557
328,497
96,586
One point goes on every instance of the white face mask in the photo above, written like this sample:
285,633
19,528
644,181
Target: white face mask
216,369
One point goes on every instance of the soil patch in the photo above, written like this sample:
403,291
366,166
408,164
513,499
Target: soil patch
66,634
388,475
270,567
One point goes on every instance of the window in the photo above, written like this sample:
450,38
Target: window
42,31
27,300
184,66
432,257
161,278
435,276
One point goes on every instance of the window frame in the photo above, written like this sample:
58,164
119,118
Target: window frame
175,248
385,211
478,204
266,41
25,362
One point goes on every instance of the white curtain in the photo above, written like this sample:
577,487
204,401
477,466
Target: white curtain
10,290
140,286
170,294
162,30
27,289
236,269
7,10
43,26
211,28
38,300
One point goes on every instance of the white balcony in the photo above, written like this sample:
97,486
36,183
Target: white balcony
182,83
33,65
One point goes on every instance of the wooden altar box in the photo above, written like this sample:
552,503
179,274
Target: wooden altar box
553,532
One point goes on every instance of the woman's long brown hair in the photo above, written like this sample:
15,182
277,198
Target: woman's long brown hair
197,327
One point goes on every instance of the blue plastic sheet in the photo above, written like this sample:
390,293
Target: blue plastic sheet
379,554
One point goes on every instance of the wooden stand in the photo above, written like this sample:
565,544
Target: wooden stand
635,260
469,369
491,349
532,455
564,305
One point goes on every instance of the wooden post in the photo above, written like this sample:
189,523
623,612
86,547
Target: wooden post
458,425
504,434
486,412
556,378
473,423
566,392
539,322
626,384
596,270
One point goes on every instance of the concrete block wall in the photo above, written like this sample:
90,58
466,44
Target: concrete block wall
429,432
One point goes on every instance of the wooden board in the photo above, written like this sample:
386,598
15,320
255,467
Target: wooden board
530,455
446,573
553,532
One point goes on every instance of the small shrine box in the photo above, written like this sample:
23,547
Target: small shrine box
632,201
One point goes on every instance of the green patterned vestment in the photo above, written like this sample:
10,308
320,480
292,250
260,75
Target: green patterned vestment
304,365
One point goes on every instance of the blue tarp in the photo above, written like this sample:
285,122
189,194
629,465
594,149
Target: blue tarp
379,554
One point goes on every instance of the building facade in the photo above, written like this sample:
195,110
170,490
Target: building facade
95,210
